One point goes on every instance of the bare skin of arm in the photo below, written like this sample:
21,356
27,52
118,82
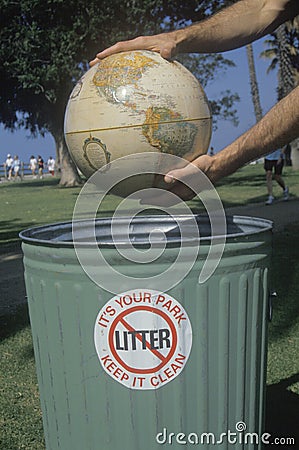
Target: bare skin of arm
278,127
233,27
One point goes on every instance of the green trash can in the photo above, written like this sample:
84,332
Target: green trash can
144,369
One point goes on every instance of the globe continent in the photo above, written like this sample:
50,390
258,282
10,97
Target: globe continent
136,102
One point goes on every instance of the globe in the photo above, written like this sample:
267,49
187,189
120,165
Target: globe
136,102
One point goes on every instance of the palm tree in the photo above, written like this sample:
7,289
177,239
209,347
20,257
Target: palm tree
254,84
283,51
285,72
254,88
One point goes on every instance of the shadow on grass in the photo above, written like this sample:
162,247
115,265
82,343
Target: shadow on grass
28,352
197,206
34,183
9,229
11,323
252,200
240,178
282,406
285,280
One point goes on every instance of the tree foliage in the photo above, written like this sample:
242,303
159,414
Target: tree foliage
283,52
207,68
45,46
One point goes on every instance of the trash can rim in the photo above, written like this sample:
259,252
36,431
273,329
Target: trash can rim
36,235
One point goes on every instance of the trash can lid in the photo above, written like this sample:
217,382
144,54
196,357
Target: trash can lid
140,231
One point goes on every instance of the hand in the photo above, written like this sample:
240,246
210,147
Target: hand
185,183
164,43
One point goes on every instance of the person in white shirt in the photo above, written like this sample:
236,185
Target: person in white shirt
16,166
33,165
51,166
8,166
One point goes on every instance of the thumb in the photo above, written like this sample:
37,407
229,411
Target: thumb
178,174
166,52
170,177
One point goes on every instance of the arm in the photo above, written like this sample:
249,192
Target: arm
278,127
236,26
233,27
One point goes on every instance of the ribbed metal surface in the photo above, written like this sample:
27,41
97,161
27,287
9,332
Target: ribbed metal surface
221,384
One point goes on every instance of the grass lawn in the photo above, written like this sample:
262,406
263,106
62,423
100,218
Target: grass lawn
248,185
37,202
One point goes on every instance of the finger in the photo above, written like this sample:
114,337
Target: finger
93,62
169,178
167,52
176,175
123,46
116,48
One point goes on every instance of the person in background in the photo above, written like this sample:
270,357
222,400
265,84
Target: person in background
33,165
51,166
275,161
8,166
235,26
40,164
16,167
211,152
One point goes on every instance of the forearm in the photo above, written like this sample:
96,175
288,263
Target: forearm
235,26
232,27
277,128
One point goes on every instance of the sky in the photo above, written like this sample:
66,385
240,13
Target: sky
236,79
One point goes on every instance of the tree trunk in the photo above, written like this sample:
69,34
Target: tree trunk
285,72
253,84
69,174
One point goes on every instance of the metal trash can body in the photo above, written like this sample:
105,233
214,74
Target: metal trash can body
221,385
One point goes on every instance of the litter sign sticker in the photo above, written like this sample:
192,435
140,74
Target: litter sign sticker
143,338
